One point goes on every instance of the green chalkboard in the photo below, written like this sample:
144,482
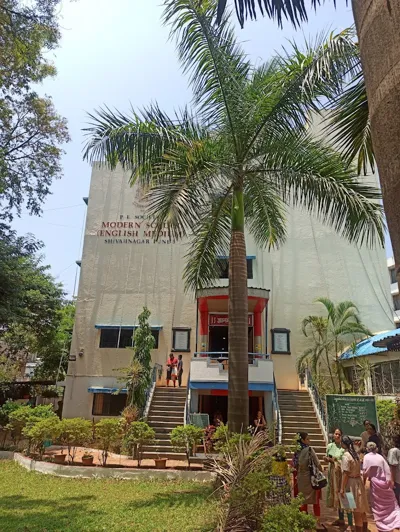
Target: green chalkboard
349,411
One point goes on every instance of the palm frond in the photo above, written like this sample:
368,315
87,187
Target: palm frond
350,125
216,64
329,306
314,177
265,213
136,140
211,237
299,81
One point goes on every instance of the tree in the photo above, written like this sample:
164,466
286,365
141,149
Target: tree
31,131
138,374
138,434
185,438
108,433
54,348
239,158
75,432
378,30
333,333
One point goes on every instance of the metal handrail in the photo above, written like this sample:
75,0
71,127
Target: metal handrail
275,400
150,389
187,403
224,355
318,403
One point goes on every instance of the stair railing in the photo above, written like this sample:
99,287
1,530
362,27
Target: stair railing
187,402
318,404
277,414
150,390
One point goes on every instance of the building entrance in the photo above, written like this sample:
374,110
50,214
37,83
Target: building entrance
218,339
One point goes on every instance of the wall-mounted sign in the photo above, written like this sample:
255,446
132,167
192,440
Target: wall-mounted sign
222,320
280,341
132,229
181,339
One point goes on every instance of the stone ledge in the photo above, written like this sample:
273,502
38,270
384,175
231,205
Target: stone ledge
48,468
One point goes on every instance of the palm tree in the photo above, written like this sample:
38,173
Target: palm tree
333,333
378,30
239,158
316,328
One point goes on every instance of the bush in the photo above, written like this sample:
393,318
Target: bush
386,410
5,411
185,438
138,434
225,442
287,518
108,433
75,432
40,431
26,416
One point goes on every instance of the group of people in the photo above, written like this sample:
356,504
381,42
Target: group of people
349,468
174,369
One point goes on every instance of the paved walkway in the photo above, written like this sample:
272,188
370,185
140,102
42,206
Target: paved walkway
329,516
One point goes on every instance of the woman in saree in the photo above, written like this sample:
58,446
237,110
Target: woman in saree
334,455
382,498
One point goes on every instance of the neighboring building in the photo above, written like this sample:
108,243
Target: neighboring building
122,270
373,367
394,289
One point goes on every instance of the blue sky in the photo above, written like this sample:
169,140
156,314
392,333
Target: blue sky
117,53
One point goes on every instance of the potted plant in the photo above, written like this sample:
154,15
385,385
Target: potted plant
159,462
87,458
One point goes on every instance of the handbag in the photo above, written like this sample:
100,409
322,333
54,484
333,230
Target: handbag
317,478
174,371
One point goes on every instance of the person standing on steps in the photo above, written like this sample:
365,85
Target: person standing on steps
172,364
180,370
353,484
334,455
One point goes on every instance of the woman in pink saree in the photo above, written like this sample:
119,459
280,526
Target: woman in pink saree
383,501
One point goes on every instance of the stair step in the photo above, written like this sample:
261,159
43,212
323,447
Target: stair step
158,448
172,407
165,424
152,418
170,455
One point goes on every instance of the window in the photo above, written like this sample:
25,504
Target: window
386,378
393,275
223,268
113,338
107,404
396,302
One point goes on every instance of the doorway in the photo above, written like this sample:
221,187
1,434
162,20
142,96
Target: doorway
218,339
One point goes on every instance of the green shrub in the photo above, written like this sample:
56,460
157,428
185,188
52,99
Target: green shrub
40,431
108,433
287,518
225,442
25,416
5,411
386,410
184,438
138,434
75,432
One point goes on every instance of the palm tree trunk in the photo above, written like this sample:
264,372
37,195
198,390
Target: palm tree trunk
330,370
238,395
338,369
378,28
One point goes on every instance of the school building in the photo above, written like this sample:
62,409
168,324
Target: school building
123,270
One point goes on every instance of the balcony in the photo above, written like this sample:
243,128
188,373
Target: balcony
210,370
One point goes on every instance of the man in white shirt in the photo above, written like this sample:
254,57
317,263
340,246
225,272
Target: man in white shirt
394,462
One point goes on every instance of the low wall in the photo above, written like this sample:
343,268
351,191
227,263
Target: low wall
49,468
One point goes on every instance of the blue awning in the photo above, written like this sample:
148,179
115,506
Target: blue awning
103,326
213,385
100,389
367,347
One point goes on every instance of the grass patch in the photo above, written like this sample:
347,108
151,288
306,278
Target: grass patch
32,502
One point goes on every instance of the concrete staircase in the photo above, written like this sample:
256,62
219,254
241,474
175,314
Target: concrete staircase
166,412
298,415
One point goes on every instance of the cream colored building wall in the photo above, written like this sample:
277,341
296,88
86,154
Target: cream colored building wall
117,280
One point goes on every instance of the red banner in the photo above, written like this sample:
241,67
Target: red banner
222,320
